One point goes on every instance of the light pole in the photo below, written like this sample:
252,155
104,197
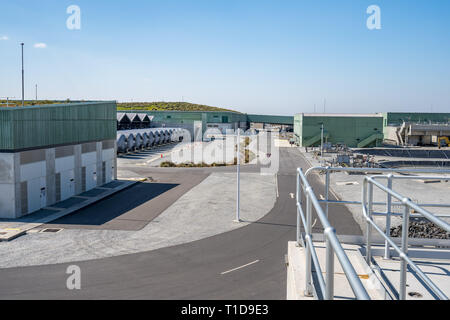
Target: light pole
238,218
23,83
36,92
321,140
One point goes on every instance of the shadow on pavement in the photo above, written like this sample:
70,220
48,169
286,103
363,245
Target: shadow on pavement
119,206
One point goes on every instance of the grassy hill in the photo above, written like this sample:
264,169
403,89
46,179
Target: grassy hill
167,106
157,106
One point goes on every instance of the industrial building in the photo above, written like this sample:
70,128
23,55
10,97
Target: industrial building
352,130
371,130
127,121
197,122
415,129
49,153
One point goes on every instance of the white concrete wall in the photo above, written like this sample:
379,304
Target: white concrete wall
67,184
37,175
34,174
37,195
65,167
89,160
32,171
108,156
7,185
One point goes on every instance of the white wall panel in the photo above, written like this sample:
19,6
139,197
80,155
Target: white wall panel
88,158
108,154
64,164
91,176
36,194
67,184
32,171
6,168
7,201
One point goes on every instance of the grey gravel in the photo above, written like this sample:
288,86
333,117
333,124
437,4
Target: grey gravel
422,229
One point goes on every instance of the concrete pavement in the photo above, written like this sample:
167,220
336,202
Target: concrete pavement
13,228
247,263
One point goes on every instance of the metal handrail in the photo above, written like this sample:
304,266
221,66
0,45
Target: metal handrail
367,206
369,213
389,203
390,178
333,246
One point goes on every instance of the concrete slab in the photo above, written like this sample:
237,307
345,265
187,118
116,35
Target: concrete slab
342,289
22,225
435,263
206,210
68,203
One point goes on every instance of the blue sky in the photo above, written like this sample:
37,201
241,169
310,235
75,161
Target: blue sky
276,57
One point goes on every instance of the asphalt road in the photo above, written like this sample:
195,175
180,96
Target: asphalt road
205,269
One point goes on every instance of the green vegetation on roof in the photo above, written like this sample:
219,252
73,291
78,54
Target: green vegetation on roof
167,106
144,106
28,103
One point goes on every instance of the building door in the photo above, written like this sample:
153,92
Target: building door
43,195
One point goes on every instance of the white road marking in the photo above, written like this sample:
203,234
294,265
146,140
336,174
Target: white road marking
292,195
245,265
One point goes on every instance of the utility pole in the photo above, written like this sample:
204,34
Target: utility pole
36,93
238,218
23,83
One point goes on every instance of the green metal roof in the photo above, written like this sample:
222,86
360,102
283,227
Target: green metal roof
33,127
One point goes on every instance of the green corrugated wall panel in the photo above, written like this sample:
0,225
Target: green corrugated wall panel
349,130
190,116
6,136
260,118
213,117
40,126
298,119
397,118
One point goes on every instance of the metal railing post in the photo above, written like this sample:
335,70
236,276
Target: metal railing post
308,286
403,263
329,293
298,203
387,247
327,189
369,226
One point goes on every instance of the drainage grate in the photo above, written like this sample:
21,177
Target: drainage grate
51,230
